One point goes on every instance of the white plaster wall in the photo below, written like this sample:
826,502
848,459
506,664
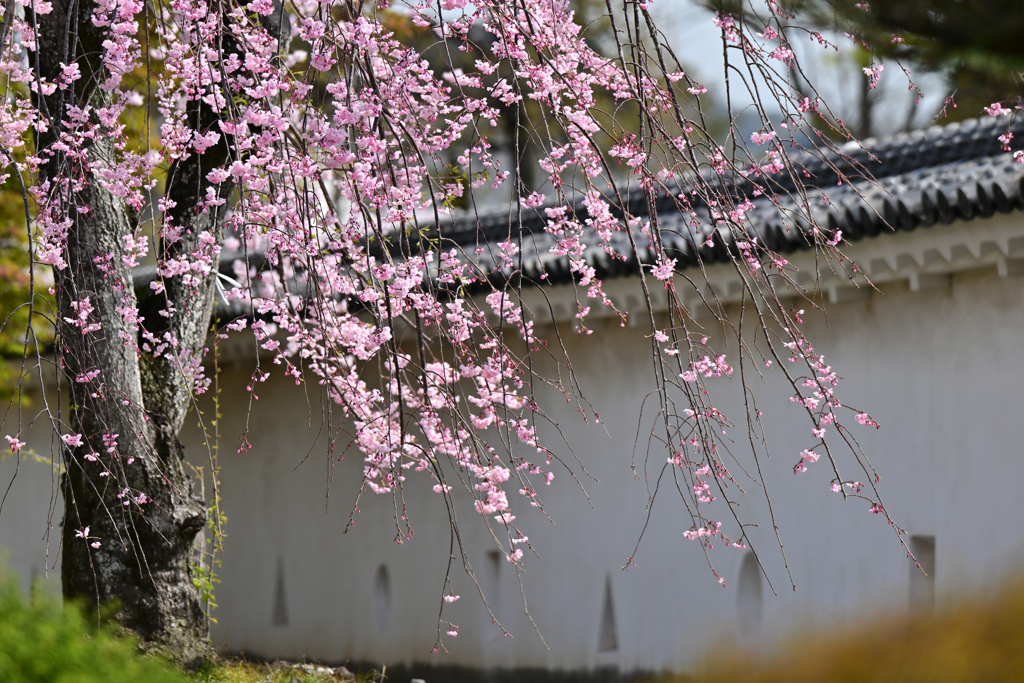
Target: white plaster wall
939,369
32,508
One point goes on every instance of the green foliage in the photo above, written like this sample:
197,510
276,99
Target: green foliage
14,291
936,33
979,638
44,642
205,580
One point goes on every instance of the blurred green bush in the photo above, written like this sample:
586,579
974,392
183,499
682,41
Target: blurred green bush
42,641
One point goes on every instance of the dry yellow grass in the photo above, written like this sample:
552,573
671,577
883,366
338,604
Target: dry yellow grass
977,639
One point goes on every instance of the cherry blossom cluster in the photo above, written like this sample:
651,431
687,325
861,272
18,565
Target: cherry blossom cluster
328,165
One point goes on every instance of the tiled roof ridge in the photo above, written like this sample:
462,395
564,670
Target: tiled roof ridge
873,159
962,188
923,148
926,177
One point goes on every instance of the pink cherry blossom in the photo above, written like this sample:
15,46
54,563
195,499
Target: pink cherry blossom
996,109
865,419
874,74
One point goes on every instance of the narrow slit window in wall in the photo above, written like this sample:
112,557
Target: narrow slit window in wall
491,586
280,613
749,594
381,600
607,639
922,579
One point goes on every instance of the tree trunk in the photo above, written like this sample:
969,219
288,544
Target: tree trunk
131,517
134,497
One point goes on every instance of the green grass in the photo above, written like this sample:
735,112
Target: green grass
241,671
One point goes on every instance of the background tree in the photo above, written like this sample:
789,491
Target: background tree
975,44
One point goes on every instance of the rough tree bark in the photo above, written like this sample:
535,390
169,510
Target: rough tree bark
136,552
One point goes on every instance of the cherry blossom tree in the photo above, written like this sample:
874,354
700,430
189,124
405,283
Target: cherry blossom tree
972,44
317,147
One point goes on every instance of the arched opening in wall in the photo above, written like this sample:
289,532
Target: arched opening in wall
381,600
922,578
490,584
279,616
608,637
749,594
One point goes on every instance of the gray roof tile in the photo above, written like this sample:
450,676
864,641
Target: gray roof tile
904,182
900,183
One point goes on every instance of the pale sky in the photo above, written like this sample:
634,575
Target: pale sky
697,41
